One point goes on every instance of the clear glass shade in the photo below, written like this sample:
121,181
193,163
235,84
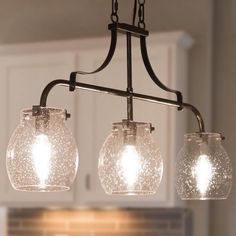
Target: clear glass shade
204,169
42,154
130,161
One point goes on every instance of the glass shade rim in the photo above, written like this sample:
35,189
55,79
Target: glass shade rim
42,188
52,110
131,192
204,134
136,123
203,198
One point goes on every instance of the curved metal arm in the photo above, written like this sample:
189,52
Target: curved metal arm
48,88
121,93
106,61
197,115
152,73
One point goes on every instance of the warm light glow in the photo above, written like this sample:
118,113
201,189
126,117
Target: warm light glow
203,172
130,164
41,152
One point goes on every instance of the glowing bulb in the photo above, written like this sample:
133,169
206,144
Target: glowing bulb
41,151
203,173
130,164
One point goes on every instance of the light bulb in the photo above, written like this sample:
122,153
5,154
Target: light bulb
203,173
42,153
203,168
130,162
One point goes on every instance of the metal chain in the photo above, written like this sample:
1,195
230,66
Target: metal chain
114,15
134,12
141,23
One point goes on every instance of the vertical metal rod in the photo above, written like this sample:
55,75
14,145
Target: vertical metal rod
129,78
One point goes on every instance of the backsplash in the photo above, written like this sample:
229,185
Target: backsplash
120,222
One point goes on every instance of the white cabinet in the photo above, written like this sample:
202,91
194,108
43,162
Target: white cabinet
25,71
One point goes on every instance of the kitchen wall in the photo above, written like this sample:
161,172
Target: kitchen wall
3,221
143,222
223,213
57,19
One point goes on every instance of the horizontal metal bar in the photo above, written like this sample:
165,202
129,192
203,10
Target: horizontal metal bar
126,94
126,28
121,93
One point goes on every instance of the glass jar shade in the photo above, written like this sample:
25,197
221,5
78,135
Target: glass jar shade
204,170
42,154
130,162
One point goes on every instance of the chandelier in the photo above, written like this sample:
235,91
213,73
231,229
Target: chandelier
42,155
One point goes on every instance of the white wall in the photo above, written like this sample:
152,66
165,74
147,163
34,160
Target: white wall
3,221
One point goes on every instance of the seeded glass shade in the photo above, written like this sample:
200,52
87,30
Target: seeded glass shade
130,162
204,169
42,154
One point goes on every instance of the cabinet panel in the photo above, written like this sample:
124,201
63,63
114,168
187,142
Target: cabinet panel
23,78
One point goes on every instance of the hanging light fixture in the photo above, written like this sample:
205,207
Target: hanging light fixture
42,154
130,162
203,168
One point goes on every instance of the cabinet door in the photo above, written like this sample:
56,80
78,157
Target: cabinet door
97,112
23,77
